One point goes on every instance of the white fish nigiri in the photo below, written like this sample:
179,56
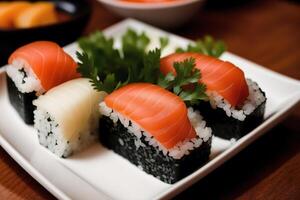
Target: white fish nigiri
67,116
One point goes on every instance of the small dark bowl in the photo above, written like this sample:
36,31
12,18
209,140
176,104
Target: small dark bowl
64,32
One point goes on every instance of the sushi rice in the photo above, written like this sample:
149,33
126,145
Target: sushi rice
255,98
34,69
23,77
203,132
51,136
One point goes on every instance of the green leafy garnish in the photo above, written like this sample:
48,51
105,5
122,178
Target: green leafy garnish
151,71
208,46
109,67
185,83
134,44
87,69
164,41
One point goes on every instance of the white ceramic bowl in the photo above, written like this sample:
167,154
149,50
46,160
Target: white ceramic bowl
167,15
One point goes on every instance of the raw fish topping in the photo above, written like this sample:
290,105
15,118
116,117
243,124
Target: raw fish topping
158,111
220,76
50,64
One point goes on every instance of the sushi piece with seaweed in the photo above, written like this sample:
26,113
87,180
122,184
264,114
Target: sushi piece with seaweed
236,105
148,125
67,118
34,69
153,129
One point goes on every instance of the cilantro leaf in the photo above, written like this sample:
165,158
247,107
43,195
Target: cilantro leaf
164,41
87,69
86,65
185,82
208,46
109,67
132,41
166,81
194,96
151,63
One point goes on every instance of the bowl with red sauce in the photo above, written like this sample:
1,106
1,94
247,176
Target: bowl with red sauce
72,18
162,13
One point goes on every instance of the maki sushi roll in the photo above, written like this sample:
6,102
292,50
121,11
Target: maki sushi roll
34,69
154,130
67,118
236,104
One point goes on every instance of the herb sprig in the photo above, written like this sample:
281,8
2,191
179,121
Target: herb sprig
110,68
185,82
208,46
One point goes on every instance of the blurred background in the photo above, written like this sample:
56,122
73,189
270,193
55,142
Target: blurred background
264,31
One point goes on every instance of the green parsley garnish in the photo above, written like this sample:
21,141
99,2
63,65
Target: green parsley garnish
110,68
185,83
208,46
164,41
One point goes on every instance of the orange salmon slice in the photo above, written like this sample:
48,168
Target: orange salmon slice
159,112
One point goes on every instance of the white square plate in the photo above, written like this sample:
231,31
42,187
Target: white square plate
98,173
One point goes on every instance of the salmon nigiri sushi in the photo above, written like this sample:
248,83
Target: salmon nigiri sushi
236,104
34,69
154,130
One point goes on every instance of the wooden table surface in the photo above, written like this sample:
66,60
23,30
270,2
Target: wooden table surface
266,32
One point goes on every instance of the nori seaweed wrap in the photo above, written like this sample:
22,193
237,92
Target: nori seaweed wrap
235,123
167,140
22,102
148,158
